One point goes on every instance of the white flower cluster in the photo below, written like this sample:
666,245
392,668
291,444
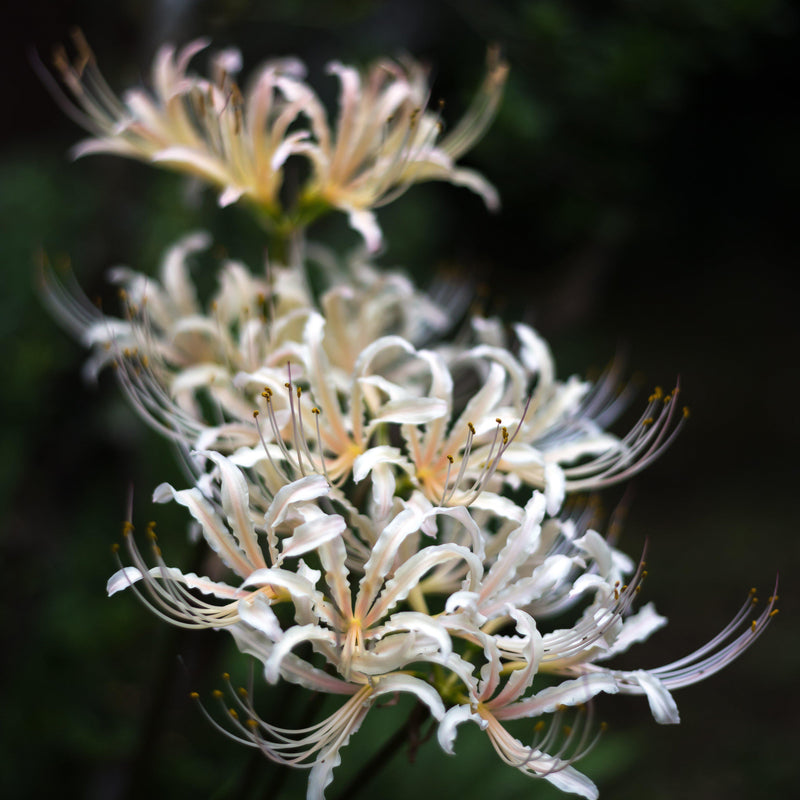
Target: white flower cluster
385,138
401,500
414,525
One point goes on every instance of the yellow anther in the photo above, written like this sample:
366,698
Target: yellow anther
217,694
288,385
686,412
647,422
115,547
255,413
539,726
753,626
251,723
471,428
498,421
505,435
315,410
450,459
299,392
242,691
567,730
194,695
127,527
226,676
774,612
232,712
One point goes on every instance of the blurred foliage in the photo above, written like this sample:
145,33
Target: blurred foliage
647,160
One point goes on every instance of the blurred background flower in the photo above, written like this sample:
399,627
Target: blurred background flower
646,159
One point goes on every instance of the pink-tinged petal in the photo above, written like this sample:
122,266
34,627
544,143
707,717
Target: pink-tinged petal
555,488
312,534
520,544
309,488
287,148
570,780
475,182
215,533
635,629
236,504
383,554
366,223
104,145
382,454
256,612
420,623
535,355
455,716
122,579
127,576
523,591
333,556
462,516
411,411
290,639
254,643
406,683
195,161
230,195
662,706
409,574
569,693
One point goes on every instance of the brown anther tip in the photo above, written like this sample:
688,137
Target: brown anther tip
450,459
255,413
315,410
498,420
471,428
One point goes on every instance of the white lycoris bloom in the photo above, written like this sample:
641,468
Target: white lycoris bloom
385,139
388,510
206,128
344,390
448,604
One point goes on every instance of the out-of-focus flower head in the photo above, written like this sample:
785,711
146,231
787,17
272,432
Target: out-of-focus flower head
385,140
346,390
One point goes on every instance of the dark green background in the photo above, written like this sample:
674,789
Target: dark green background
646,154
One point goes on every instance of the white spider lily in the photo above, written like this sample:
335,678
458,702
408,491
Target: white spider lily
205,128
386,139
362,402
